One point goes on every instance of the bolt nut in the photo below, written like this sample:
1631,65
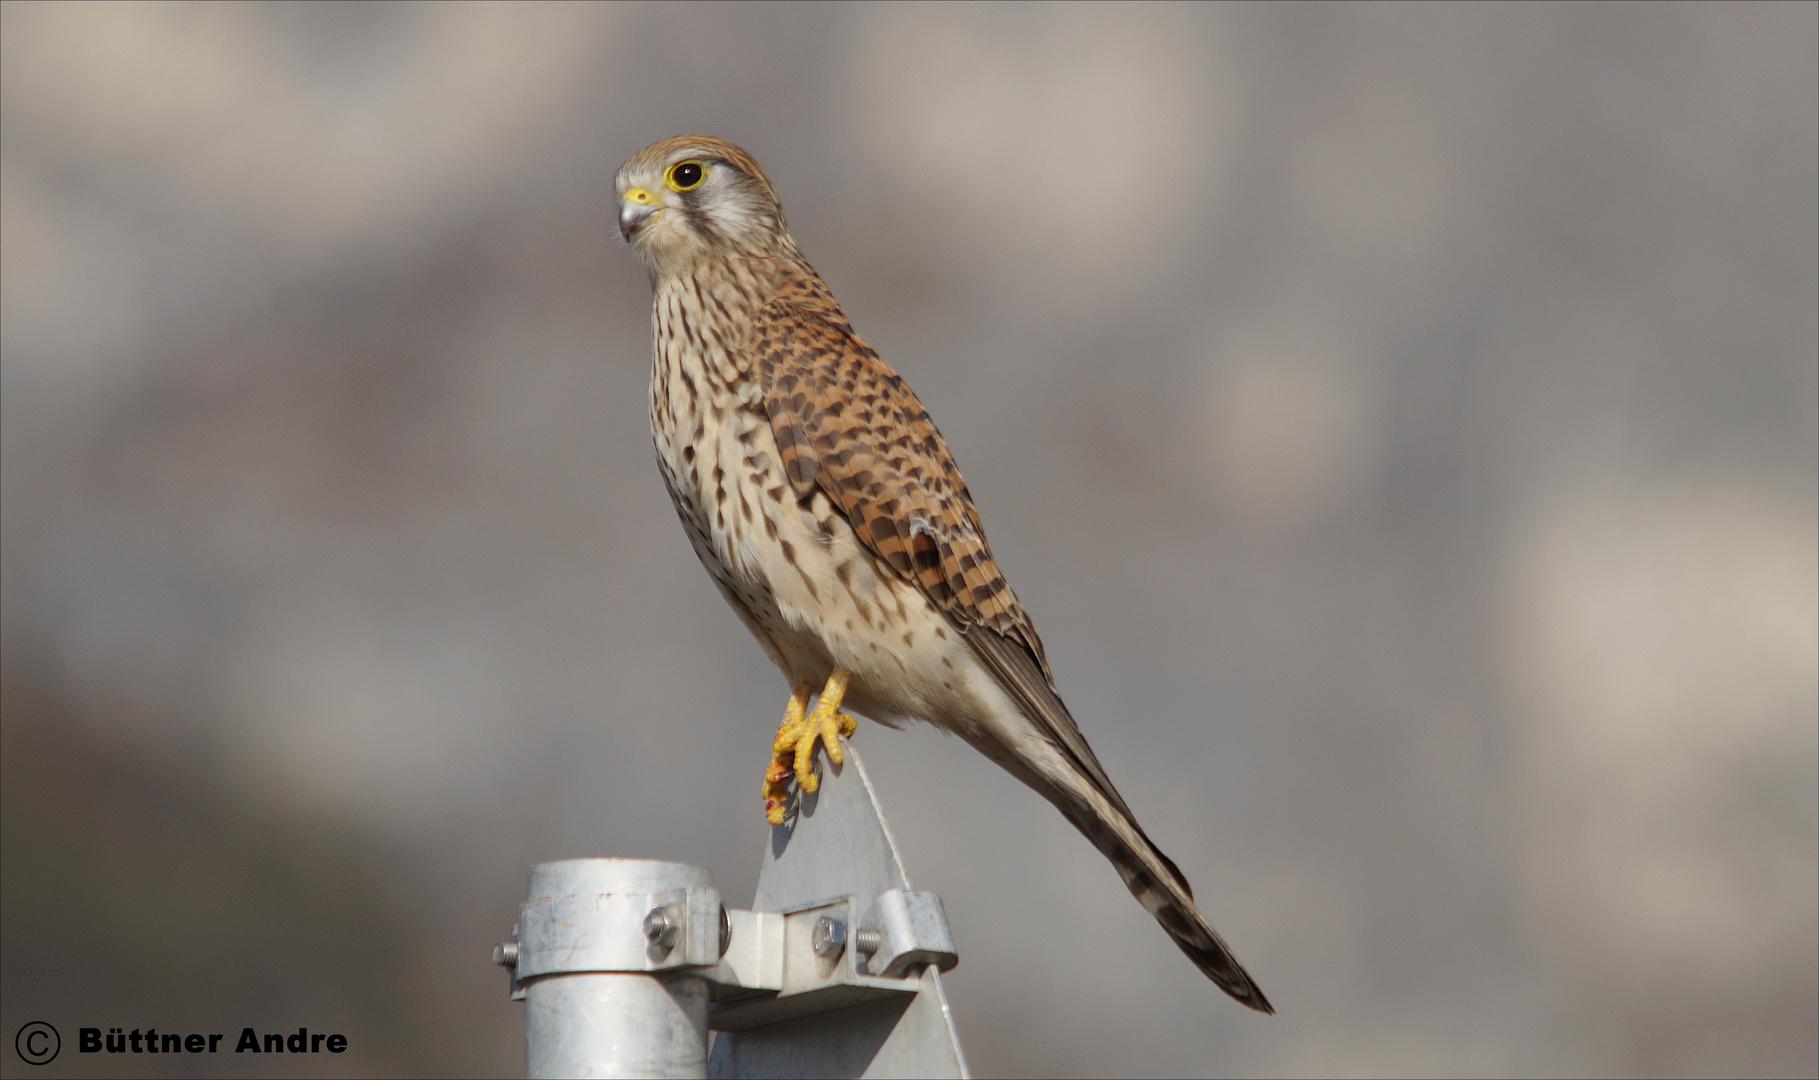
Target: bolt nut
505,954
829,937
663,926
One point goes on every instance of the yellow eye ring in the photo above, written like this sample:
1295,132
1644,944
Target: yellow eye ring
685,176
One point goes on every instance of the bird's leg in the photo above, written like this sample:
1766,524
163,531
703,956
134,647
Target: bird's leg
776,778
794,747
827,723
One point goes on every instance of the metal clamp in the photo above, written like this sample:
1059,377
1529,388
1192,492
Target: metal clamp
624,965
808,960
904,931
609,957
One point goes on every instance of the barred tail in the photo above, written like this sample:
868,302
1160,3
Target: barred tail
1052,757
1151,877
1164,893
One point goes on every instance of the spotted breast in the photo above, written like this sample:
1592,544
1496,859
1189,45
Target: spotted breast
784,555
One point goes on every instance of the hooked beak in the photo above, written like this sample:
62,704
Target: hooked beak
635,211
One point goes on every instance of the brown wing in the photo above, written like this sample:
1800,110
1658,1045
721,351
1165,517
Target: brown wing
848,426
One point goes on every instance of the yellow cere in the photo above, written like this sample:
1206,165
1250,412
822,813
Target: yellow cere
640,196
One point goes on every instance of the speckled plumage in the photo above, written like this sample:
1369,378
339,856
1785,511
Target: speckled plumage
827,508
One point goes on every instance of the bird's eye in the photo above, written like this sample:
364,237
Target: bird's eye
686,175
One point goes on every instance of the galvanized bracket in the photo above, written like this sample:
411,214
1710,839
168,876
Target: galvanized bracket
834,971
815,957
874,1008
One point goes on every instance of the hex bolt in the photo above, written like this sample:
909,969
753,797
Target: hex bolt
829,937
726,930
505,954
663,926
867,941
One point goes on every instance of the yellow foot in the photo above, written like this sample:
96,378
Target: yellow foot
793,750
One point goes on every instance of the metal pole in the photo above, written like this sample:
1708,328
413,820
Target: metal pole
624,964
590,934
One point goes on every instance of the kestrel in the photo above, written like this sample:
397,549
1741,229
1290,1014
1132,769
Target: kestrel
828,510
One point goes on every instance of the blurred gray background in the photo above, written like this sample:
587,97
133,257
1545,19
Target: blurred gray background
1402,423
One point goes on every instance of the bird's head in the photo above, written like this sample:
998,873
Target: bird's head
693,198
